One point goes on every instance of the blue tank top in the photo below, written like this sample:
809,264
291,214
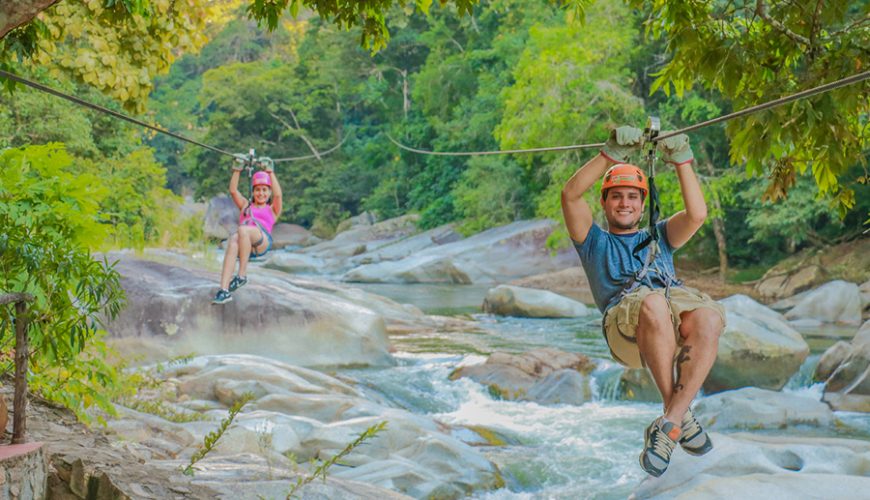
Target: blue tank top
609,264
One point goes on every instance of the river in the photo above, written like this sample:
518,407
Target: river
560,451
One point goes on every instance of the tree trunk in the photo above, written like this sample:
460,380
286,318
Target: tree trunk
719,232
19,405
18,12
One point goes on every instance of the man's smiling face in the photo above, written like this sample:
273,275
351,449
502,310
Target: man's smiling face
623,208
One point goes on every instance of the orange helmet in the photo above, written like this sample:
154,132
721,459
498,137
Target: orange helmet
624,175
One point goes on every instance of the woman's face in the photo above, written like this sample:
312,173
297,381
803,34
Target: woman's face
262,194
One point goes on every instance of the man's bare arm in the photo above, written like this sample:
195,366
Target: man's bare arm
577,213
685,223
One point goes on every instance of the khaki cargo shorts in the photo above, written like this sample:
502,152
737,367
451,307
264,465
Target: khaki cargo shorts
620,322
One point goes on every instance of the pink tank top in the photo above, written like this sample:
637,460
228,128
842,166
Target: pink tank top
264,215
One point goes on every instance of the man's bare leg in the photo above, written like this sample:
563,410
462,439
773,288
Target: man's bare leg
700,330
657,344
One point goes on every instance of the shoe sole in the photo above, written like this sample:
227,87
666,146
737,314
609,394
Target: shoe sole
697,452
219,302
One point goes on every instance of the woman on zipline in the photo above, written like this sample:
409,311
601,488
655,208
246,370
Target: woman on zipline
254,236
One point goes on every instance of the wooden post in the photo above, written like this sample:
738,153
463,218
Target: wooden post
19,421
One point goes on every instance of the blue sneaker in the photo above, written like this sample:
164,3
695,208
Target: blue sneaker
694,440
660,439
222,297
238,282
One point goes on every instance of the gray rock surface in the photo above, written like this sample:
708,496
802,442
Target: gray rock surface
754,408
546,376
306,414
221,217
270,315
507,300
758,348
496,255
834,302
756,466
848,386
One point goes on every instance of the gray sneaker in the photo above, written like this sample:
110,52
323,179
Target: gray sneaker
222,297
694,440
660,439
237,282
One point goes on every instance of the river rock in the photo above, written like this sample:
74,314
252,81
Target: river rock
496,255
831,359
506,300
848,386
754,408
294,263
758,466
363,238
834,302
221,217
306,414
758,348
292,235
570,282
270,315
865,298
637,384
541,375
408,246
364,219
778,283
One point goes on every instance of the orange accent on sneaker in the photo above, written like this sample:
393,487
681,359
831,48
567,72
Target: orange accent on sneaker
674,433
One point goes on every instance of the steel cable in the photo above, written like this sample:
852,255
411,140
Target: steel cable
753,109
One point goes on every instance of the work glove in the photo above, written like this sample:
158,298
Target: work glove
676,149
267,164
622,143
239,162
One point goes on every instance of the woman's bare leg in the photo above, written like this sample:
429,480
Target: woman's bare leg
249,236
230,260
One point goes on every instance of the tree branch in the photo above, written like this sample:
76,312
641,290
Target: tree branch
14,298
298,131
18,13
761,10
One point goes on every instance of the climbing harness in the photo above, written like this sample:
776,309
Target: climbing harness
642,276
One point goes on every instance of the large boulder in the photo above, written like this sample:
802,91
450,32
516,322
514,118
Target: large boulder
362,238
362,220
570,282
546,376
758,348
847,387
758,466
865,298
172,306
506,300
754,408
407,246
292,235
776,283
221,217
496,255
834,302
305,414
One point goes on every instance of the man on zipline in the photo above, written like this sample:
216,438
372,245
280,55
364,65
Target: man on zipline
650,319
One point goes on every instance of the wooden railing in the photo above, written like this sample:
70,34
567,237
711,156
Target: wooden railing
19,420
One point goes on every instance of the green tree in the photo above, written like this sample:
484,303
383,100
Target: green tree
49,214
572,84
753,52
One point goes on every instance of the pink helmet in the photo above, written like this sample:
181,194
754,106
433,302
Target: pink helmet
261,179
